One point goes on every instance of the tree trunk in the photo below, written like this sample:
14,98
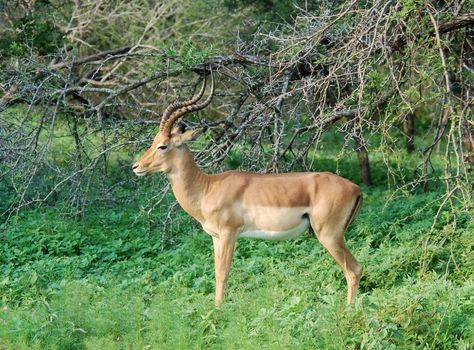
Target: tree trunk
364,166
409,127
468,142
363,156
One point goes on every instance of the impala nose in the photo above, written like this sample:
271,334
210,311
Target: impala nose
134,166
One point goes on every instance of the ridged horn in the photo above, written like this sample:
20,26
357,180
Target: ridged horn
180,104
190,108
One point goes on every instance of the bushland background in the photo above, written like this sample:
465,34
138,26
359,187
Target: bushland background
380,92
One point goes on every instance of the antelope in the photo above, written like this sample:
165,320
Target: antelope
236,204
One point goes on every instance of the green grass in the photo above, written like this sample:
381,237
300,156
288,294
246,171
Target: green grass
114,280
106,282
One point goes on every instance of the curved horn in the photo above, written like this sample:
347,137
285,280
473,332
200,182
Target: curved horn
174,106
192,108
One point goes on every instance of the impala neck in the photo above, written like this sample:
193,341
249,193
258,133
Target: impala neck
188,183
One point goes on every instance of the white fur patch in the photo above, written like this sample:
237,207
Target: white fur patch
278,235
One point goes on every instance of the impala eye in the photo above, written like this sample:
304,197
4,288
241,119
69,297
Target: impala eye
162,147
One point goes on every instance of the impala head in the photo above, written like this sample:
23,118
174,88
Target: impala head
166,147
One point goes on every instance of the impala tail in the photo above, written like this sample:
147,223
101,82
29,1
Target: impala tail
355,210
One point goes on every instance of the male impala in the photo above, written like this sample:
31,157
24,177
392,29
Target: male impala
241,204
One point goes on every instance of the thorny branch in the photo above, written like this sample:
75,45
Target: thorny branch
356,72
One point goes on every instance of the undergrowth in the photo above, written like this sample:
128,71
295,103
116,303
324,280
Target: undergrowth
107,282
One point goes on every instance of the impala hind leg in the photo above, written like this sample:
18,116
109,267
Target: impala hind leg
333,241
223,252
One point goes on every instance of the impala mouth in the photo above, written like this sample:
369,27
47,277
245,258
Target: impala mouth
140,173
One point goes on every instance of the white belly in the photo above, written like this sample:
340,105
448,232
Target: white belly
278,235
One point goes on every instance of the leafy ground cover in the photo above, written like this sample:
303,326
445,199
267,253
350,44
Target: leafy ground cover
106,282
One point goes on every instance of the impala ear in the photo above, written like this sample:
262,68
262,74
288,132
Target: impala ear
180,129
191,135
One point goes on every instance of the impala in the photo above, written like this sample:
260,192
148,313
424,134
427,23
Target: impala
241,204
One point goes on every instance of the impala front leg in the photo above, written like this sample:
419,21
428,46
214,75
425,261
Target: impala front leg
223,252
